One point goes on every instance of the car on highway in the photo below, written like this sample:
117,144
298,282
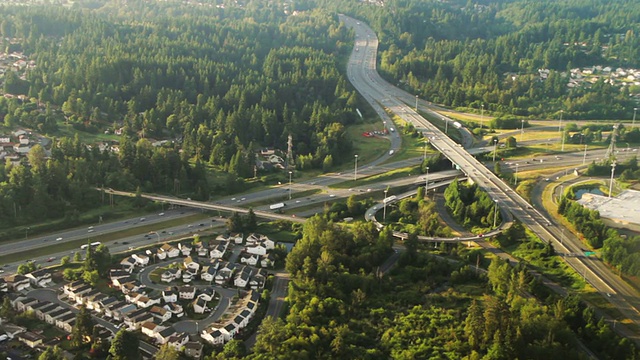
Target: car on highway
51,259
58,239
143,219
480,235
161,214
90,230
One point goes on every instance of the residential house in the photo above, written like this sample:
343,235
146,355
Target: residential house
185,248
187,292
207,294
66,322
3,286
12,330
117,282
145,301
30,339
135,322
120,310
222,237
162,337
93,302
236,238
41,312
267,243
141,259
257,249
202,250
267,261
229,330
105,303
249,259
40,278
242,277
253,239
17,282
191,265
208,273
175,309
199,305
241,321
132,297
213,336
187,277
50,317
115,274
218,250
128,263
193,349
77,293
151,329
132,286
169,295
161,254
178,341
170,250
247,315
160,313
225,271
257,280
22,303
170,275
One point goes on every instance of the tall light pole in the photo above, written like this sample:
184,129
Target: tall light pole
424,157
290,173
516,180
563,135
384,206
495,213
446,125
416,102
355,168
522,131
613,169
584,157
426,184
495,148
634,117
26,232
155,232
481,116
560,123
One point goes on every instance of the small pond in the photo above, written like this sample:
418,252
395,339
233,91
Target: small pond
594,190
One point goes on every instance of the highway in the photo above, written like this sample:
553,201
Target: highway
363,74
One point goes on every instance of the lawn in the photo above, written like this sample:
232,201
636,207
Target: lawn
389,175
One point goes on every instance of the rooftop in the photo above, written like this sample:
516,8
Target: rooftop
623,209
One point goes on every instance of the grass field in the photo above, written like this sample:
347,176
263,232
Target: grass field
389,175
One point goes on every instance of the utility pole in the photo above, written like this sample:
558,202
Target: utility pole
426,184
481,116
563,136
560,124
495,148
584,158
290,173
495,213
634,117
446,125
384,206
613,169
416,102
355,169
522,131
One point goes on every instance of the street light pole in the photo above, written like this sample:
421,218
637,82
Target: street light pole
424,157
522,131
560,124
584,158
355,169
481,116
495,148
563,136
613,169
634,117
155,232
426,184
495,213
416,102
516,182
384,206
26,232
446,125
290,173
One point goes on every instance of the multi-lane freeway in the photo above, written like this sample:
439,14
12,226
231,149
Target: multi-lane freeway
363,74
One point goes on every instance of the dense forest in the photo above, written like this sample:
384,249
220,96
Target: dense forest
487,53
216,84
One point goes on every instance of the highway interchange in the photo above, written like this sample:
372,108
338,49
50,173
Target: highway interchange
365,78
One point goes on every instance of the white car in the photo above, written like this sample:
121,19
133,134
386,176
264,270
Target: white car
161,214
58,239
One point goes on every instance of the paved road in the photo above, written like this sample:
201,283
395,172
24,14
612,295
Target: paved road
369,84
